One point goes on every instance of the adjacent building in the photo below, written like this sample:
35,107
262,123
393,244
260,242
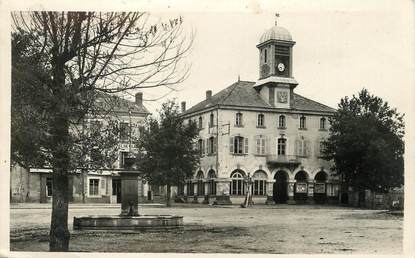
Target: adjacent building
96,185
262,130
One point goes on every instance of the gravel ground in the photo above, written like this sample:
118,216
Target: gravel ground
261,229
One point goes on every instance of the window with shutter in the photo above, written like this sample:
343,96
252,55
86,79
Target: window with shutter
231,140
215,145
258,145
246,146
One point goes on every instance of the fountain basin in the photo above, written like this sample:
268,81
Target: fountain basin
118,222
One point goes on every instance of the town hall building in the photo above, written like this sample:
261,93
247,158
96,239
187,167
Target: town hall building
262,130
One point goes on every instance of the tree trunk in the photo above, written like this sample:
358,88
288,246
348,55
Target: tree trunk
59,233
168,204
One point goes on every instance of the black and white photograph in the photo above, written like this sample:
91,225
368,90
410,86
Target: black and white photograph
240,127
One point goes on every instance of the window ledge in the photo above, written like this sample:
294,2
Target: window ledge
261,126
322,129
240,126
303,129
282,128
239,154
260,155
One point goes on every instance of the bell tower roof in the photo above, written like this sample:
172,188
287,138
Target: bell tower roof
276,33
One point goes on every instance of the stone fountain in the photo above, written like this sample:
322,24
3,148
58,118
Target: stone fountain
129,219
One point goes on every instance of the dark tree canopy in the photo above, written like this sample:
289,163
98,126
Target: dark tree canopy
63,62
169,152
366,143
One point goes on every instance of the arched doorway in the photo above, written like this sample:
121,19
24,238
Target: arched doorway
211,182
320,193
300,187
280,187
237,186
200,183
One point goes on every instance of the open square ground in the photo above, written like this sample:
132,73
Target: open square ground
230,229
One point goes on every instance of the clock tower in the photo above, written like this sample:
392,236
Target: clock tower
276,82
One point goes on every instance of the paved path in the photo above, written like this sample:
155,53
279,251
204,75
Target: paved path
262,229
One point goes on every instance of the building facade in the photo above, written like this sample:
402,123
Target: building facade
262,130
94,185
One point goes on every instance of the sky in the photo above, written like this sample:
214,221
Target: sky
339,50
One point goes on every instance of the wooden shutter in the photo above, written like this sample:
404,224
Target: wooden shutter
307,148
215,145
207,146
246,145
231,144
267,145
258,144
317,148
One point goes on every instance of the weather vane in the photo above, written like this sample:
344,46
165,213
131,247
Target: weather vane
276,18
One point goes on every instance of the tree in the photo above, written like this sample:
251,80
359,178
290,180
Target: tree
62,63
366,143
168,152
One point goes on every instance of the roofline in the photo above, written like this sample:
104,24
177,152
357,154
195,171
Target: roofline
284,42
260,109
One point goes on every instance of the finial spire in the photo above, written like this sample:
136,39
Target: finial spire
277,15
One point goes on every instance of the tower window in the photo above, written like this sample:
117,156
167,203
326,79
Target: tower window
265,55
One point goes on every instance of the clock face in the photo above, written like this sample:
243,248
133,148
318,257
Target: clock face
281,67
282,96
264,70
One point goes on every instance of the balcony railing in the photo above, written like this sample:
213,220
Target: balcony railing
283,159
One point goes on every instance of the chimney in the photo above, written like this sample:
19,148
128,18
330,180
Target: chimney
183,106
208,94
139,99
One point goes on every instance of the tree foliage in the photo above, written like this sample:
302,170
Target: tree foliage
169,155
63,63
366,143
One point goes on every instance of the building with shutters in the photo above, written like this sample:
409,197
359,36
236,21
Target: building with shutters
265,130
96,185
